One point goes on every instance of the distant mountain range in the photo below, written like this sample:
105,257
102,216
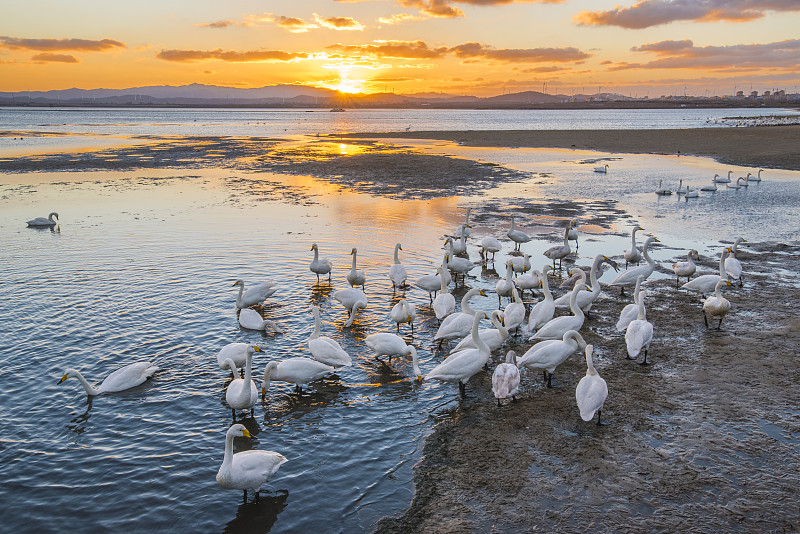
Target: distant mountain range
277,96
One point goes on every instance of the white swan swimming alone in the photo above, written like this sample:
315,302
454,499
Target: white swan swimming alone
325,349
397,272
705,283
246,470
603,169
255,294
241,393
505,379
458,325
547,355
42,222
320,266
298,371
517,236
403,312
733,267
633,254
252,320
631,311
356,276
555,328
542,311
461,366
445,303
629,277
716,305
592,390
353,299
639,333
124,378
559,252
685,268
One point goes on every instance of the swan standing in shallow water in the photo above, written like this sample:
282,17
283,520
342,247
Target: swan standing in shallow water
633,254
629,277
403,312
685,268
520,264
298,371
517,236
236,353
463,229
705,283
592,390
356,277
386,344
505,379
254,295
631,311
504,285
42,222
320,266
733,268
325,349
242,393
458,324
639,333
445,303
716,306
559,252
461,366
252,320
124,378
246,470
397,272
458,265
352,299
490,244
547,355
542,311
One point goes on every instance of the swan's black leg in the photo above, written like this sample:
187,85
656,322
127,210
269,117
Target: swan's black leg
644,362
549,380
622,291
719,326
705,318
244,499
598,418
256,499
234,414
513,398
498,403
462,389
544,375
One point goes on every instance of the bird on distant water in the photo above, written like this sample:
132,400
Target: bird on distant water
43,222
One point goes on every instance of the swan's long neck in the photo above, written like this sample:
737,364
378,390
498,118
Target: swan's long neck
690,260
499,324
415,362
443,280
360,304
646,253
722,273
476,338
515,295
573,301
718,290
317,324
509,272
354,260
241,292
316,254
512,223
465,307
576,337
227,460
638,288
464,236
633,237
546,287
736,244
396,251
466,218
244,393
566,236
88,387
230,364
642,312
593,273
268,376
590,370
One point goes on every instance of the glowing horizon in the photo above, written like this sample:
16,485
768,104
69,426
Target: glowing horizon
466,47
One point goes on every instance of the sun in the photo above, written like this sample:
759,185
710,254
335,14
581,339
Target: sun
347,85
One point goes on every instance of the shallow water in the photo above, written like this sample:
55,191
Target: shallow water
142,267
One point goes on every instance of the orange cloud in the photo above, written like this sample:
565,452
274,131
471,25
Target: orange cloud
519,55
218,24
294,24
51,45
189,56
393,49
46,57
339,23
399,18
649,13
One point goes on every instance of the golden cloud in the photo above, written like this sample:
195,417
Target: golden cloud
399,18
52,45
393,49
519,55
218,24
189,56
47,57
339,23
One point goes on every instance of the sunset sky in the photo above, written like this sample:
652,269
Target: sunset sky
475,47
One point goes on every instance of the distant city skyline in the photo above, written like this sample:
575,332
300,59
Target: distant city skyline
468,47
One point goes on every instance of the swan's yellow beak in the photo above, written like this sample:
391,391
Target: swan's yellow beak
483,294
728,282
420,378
263,392
236,283
502,320
63,378
257,348
246,433
587,288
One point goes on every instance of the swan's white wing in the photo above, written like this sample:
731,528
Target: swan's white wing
541,313
454,325
555,328
459,366
443,305
329,352
733,267
127,377
629,313
590,395
638,335
252,469
505,380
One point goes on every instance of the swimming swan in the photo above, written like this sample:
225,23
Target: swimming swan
254,295
603,169
125,378
387,344
505,379
252,320
751,178
662,191
720,180
246,470
639,333
42,222
325,349
397,272
592,390
236,353
298,371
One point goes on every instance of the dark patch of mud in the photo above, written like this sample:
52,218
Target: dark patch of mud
703,440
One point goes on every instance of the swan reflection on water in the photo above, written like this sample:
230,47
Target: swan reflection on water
258,516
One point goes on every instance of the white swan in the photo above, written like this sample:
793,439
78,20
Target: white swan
592,390
662,191
547,355
252,320
254,295
542,311
463,229
242,393
713,186
733,266
320,266
734,185
572,234
397,272
458,324
743,181
705,283
445,303
298,371
246,470
432,282
514,313
639,333
751,178
403,312
528,281
352,299
493,337
682,190
490,244
692,193
555,328
458,265
633,254
629,277
459,246
586,299
504,285
603,169
386,344
124,378
356,277
325,349
685,268
236,353
559,252
505,379
41,222
631,311
461,366
720,180
716,305
517,236
521,264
